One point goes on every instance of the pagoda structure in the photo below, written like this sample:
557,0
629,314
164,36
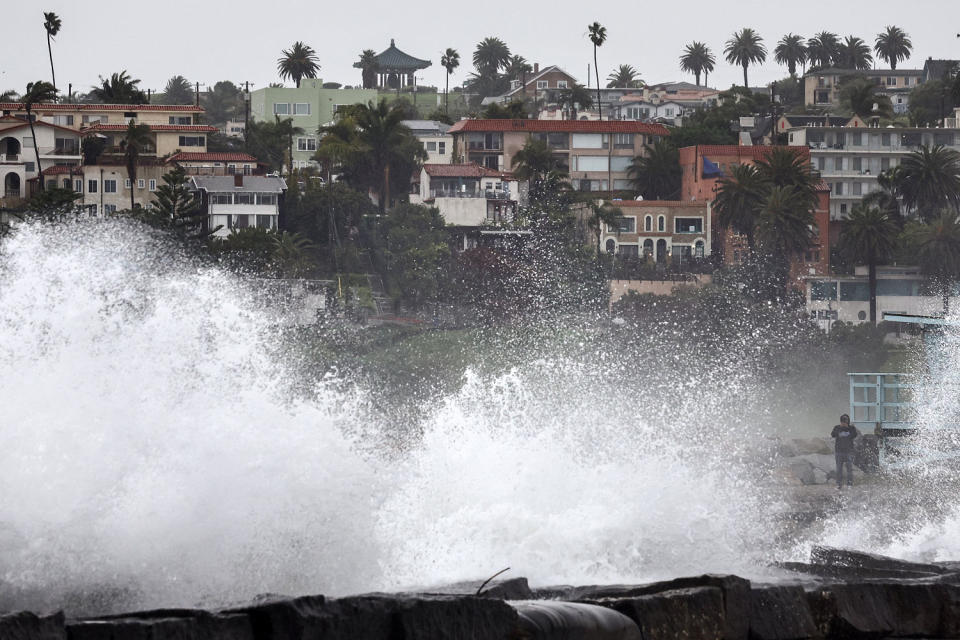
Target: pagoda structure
396,69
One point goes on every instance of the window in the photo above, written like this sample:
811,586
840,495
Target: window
857,188
668,112
592,163
442,148
562,84
193,141
153,185
63,121
306,144
688,225
301,108
109,186
266,198
95,119
140,183
648,223
266,222
91,186
885,139
221,198
624,224
843,208
838,164
431,146
620,163
179,120
241,221
857,164
623,141
126,183
857,138
78,185
838,188
281,109
884,164
854,291
244,198
109,208
541,84
28,167
822,290
66,146
661,223
698,249
588,141
821,163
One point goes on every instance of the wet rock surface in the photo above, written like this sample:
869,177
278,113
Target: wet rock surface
837,594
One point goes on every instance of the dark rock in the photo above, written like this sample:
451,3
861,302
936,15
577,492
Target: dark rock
862,560
24,625
548,620
881,609
198,625
694,613
734,589
454,618
780,613
856,574
511,589
866,452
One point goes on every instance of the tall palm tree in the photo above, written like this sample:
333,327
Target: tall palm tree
929,180
8,95
536,163
51,22
937,246
791,51
575,97
854,54
893,45
601,214
517,67
784,224
823,50
119,88
491,55
697,59
135,140
869,236
381,132
739,198
785,167
623,76
598,35
745,48
178,91
37,93
656,174
860,95
450,60
298,62
368,68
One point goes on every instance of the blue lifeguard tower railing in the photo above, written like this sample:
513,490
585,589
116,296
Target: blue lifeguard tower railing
885,403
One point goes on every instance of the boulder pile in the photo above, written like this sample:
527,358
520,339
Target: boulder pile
838,594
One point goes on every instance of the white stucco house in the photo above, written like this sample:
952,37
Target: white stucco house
239,201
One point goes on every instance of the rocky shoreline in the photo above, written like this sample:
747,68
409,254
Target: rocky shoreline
837,594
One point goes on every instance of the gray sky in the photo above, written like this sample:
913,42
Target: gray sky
241,40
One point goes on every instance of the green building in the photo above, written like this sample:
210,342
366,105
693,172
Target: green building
310,106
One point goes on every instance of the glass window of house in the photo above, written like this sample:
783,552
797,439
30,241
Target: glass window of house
153,185
823,290
91,186
661,224
688,225
109,186
541,84
431,146
301,108
442,148
281,108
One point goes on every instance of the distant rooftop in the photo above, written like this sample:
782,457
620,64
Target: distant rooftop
62,106
223,184
427,126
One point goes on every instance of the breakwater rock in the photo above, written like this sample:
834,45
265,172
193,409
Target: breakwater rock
838,594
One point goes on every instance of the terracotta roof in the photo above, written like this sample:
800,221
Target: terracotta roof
20,122
468,170
571,126
61,170
199,128
59,106
211,157
658,203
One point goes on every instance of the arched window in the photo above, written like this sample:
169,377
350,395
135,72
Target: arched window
648,223
648,244
698,249
661,223
611,245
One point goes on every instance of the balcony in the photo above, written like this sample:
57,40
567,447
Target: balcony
488,194
10,158
475,145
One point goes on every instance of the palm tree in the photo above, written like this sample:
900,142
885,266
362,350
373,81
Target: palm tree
697,59
299,62
823,50
601,214
893,45
623,76
450,60
381,132
869,236
791,51
136,139
784,167
577,96
291,252
51,22
8,96
745,48
491,55
929,180
37,92
886,198
178,91
368,68
937,246
784,224
598,35
860,95
517,67
854,53
536,163
656,174
120,88
739,198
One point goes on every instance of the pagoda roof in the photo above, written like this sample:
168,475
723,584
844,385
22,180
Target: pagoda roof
393,59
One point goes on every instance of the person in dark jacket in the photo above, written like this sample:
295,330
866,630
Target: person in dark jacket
844,434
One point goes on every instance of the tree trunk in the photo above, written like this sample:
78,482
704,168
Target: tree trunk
446,97
745,84
697,74
50,51
872,270
132,173
385,200
36,150
597,71
706,75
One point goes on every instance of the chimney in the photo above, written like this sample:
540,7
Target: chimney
238,179
536,67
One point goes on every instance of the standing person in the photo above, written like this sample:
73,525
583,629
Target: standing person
844,434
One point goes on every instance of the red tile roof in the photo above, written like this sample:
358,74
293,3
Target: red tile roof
658,203
467,170
198,128
20,122
194,156
565,126
18,106
58,170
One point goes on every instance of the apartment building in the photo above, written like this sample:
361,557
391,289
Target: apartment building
434,137
850,157
19,162
78,116
821,88
166,139
240,202
665,231
217,163
596,153
310,106
468,194
538,83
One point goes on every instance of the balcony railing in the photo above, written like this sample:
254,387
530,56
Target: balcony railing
9,157
489,194
475,145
